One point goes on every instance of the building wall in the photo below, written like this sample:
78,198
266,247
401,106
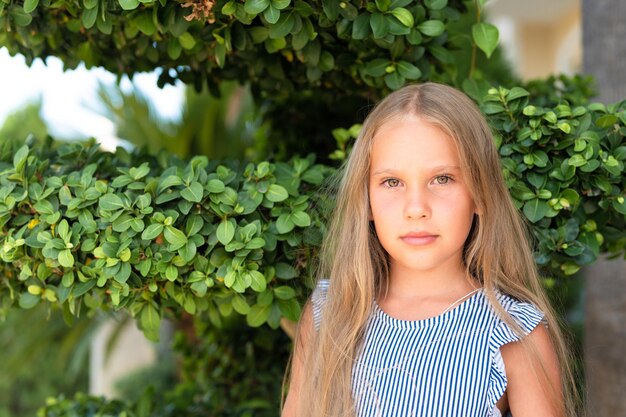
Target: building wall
540,38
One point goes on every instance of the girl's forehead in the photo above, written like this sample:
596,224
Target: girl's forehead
410,141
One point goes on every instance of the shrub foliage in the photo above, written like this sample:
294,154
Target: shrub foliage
280,46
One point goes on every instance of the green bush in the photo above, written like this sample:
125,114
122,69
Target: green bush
279,45
161,234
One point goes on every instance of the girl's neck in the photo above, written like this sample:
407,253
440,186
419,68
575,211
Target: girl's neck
442,283
413,295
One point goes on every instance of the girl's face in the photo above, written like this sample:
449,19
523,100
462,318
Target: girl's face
421,208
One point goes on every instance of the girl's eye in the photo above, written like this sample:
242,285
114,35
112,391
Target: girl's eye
391,182
442,179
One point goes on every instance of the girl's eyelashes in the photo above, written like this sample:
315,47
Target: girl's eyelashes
443,179
391,182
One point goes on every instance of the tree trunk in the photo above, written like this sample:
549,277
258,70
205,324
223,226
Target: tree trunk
604,49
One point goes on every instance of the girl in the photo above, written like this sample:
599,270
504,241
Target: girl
433,304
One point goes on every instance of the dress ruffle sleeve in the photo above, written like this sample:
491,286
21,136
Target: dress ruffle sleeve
318,298
528,317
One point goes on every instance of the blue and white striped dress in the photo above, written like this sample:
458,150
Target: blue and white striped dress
449,365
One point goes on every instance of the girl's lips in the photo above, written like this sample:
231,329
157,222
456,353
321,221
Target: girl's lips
418,238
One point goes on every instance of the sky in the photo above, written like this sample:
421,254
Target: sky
69,98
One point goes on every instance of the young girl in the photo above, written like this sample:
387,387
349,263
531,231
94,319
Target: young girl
429,302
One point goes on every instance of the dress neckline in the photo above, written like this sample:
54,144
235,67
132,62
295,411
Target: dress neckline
454,310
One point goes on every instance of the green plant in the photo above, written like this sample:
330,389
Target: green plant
564,166
155,234
280,46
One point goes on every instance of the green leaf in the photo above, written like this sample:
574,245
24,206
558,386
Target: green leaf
193,192
284,292
30,5
379,25
215,186
282,27
28,301
432,28
110,202
535,209
383,5
168,182
290,309
83,288
361,27
258,315
285,271
220,55
408,70
486,37
301,219
377,67
20,17
152,231
150,322
327,61
89,17
229,8
303,9
257,282
256,6
516,92
619,204
280,4
145,23
476,89
129,4
606,121
300,39
240,305
193,225
576,160
19,159
276,193
394,80
186,40
331,9
255,243
226,231
435,4
284,224
66,259
404,16
271,14
174,237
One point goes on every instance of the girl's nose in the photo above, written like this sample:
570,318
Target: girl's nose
417,204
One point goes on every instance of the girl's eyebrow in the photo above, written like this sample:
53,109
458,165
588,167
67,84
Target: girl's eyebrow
436,168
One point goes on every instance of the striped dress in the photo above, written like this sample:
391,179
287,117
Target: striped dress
448,365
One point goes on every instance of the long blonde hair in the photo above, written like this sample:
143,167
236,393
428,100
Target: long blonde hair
496,252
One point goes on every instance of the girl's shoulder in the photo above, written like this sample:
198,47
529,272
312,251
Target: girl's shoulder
527,316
